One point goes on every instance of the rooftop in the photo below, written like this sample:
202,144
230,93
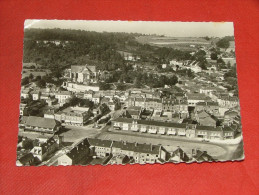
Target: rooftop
40,122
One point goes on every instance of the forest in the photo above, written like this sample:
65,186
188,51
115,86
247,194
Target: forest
59,48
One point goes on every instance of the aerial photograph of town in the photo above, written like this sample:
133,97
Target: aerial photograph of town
128,92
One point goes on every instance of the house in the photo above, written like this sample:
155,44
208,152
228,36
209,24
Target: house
164,66
73,115
88,94
41,150
194,98
100,148
195,68
229,132
63,96
153,104
133,112
49,114
181,108
139,102
40,124
229,116
25,93
228,101
178,156
23,109
84,74
78,153
205,119
25,160
168,105
200,156
35,95
207,90
119,160
140,153
96,98
149,126
209,132
208,106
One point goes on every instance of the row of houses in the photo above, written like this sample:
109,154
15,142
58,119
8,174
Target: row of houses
106,149
174,129
170,105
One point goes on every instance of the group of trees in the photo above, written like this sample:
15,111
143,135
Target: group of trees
56,47
224,42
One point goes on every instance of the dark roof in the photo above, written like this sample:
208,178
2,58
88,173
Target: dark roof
26,158
136,147
40,122
134,108
207,104
46,144
75,152
125,120
208,128
160,123
202,156
133,112
231,112
99,142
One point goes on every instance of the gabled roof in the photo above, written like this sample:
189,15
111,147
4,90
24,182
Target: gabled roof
40,122
202,156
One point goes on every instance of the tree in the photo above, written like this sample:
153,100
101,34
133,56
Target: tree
31,76
213,56
104,86
221,61
25,81
190,74
27,144
41,83
173,80
223,43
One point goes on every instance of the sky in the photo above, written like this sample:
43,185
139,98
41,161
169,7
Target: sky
173,29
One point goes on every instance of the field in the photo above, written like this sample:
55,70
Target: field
183,43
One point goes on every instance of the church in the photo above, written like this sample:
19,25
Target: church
83,74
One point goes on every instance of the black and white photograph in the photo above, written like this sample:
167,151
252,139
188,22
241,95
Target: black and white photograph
128,92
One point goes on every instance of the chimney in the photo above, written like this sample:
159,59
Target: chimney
151,147
136,144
